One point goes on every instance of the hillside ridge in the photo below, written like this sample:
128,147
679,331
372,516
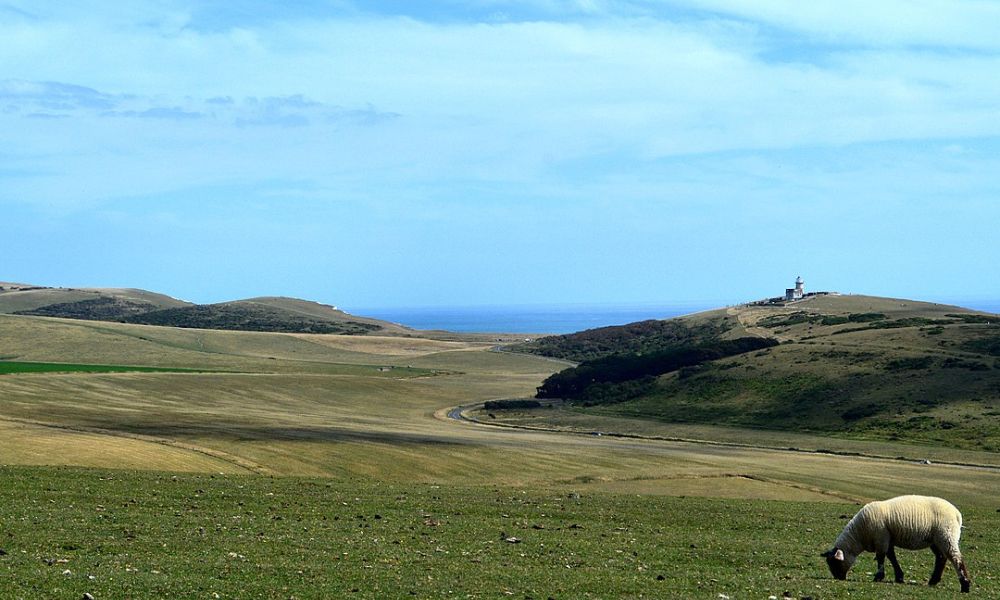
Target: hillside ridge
853,366
132,305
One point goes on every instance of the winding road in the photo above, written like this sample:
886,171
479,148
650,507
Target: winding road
457,413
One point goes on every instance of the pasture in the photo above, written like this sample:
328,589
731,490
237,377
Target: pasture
304,466
8,367
116,534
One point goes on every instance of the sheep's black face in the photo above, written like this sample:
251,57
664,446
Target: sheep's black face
838,566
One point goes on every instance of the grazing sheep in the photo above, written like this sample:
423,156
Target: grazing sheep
911,522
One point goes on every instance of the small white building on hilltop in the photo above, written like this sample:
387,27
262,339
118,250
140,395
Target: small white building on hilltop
796,293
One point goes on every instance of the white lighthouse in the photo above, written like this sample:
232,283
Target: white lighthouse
798,292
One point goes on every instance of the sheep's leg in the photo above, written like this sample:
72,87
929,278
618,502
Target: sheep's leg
939,562
963,573
896,569
880,559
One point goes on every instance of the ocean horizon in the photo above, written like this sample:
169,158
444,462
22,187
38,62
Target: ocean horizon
555,319
537,319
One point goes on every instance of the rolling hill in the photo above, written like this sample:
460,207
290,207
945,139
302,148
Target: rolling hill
324,312
245,315
273,314
855,366
25,298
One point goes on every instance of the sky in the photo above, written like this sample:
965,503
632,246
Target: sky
501,152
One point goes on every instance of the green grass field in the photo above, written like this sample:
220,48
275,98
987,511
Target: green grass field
8,367
117,534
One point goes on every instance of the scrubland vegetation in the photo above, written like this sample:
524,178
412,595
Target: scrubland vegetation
288,315
865,368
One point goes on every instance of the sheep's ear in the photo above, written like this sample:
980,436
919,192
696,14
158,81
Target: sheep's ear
828,553
839,554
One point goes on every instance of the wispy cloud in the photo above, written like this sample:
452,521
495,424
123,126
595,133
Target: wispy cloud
158,112
560,90
943,24
47,99
15,11
289,111
18,95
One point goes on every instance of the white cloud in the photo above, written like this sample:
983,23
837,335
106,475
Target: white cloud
956,24
54,99
358,102
17,94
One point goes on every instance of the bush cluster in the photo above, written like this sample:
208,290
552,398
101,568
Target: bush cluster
640,337
915,363
247,318
604,376
511,404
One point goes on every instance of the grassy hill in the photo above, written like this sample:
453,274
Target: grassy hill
48,301
310,310
273,314
642,337
282,403
857,366
250,316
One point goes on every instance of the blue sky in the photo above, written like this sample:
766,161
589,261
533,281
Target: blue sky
396,153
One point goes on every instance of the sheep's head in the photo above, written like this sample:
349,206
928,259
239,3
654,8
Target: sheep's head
839,562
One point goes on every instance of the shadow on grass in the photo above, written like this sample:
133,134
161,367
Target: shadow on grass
246,433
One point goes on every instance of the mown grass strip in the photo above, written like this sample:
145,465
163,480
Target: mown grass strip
9,367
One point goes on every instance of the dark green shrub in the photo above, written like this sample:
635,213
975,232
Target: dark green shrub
958,363
511,404
573,383
915,363
986,345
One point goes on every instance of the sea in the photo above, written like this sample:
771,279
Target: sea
549,319
554,319
990,306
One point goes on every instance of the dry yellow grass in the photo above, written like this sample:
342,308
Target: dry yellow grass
388,346
29,300
32,444
64,340
286,415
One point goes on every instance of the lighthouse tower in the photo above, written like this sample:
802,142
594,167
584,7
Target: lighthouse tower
798,292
